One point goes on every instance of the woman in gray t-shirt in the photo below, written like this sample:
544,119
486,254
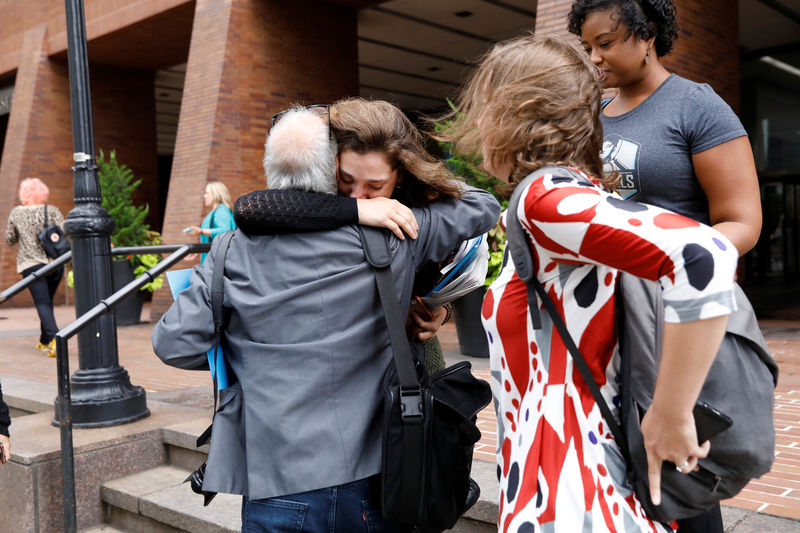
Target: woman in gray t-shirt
675,143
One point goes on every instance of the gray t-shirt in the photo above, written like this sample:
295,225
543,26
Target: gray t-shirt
652,144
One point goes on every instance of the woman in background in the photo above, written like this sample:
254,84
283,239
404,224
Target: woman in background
675,142
219,219
24,224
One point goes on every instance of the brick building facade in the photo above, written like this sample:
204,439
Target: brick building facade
706,50
245,60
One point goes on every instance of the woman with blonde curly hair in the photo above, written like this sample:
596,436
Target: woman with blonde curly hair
532,107
24,224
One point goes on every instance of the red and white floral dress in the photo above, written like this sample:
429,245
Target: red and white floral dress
560,470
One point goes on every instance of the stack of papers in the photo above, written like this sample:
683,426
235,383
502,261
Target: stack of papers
465,273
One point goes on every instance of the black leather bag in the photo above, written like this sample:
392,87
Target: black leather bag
740,384
53,240
429,423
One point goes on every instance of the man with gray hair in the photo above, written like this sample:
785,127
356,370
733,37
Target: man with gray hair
300,153
298,433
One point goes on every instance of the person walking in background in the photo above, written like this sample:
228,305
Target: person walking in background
675,143
24,224
219,219
533,103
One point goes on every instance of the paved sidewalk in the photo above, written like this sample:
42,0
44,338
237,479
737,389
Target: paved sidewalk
769,504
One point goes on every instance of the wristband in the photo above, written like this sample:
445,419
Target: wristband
449,307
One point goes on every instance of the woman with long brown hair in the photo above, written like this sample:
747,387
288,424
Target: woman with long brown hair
534,103
382,170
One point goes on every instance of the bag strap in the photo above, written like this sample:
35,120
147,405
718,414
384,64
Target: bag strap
521,253
217,291
376,248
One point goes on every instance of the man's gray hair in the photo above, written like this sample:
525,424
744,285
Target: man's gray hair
300,154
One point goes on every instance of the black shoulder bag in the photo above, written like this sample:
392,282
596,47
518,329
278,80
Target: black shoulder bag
429,429
53,241
217,290
743,364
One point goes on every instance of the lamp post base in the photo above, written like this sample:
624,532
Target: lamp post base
104,398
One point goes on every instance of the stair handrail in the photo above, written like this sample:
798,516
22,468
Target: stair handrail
64,258
35,275
179,251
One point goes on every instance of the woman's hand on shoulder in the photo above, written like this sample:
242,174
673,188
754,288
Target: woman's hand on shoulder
387,213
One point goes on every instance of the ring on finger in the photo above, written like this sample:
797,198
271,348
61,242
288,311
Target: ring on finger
682,467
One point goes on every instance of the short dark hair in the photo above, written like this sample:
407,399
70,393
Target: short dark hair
643,18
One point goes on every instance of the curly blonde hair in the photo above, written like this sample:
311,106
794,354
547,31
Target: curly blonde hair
377,126
538,102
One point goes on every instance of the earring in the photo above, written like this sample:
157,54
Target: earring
647,57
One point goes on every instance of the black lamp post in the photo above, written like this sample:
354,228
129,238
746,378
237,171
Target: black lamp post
101,391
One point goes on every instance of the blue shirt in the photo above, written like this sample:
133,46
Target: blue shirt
218,221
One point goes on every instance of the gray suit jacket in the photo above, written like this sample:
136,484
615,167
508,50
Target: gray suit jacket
306,337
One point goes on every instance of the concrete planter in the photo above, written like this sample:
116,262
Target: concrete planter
129,311
471,335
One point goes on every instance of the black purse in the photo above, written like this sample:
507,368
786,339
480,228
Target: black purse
53,240
429,423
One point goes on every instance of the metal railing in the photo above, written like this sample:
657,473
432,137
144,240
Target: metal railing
63,400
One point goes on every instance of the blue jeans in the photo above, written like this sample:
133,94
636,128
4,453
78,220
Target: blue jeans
348,508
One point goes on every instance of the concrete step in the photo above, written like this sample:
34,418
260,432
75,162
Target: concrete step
105,528
157,501
181,443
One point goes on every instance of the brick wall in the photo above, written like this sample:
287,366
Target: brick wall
39,135
707,49
124,116
38,140
247,61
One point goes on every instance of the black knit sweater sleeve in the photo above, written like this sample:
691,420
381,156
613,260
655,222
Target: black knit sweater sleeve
5,419
280,211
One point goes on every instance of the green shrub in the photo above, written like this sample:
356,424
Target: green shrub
117,184
467,166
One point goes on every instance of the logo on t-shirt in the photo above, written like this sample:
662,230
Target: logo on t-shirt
623,155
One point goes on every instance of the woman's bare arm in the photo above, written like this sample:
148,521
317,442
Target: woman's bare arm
727,174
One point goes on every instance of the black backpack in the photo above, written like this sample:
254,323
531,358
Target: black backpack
53,240
739,384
